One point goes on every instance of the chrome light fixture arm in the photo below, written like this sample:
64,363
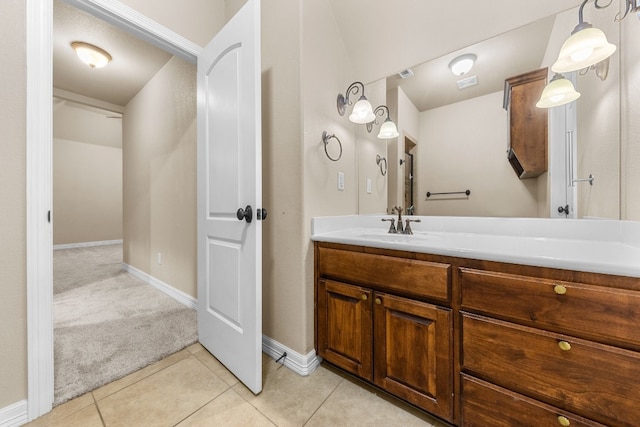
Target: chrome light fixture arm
343,100
581,24
631,6
379,111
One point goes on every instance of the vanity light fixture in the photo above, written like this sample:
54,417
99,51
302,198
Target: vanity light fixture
91,55
558,92
462,64
632,6
362,111
586,45
388,128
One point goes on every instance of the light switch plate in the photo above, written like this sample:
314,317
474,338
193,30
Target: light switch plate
341,181
368,185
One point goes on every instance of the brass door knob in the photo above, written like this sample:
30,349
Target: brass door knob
564,346
378,301
560,289
364,297
564,421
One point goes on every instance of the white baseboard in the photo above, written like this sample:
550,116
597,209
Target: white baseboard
14,415
174,293
301,364
86,244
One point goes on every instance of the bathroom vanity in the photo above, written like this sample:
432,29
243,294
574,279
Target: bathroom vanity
518,323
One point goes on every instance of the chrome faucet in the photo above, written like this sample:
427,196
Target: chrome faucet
399,228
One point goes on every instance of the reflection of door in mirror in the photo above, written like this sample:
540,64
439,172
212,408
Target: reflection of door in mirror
409,175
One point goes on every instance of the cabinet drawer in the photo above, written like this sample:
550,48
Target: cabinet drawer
407,276
592,380
605,314
485,404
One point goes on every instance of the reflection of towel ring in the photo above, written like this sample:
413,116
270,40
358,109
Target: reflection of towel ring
379,161
326,138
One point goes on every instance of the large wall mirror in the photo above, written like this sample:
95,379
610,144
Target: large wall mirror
453,140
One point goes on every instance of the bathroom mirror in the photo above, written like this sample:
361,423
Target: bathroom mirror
457,138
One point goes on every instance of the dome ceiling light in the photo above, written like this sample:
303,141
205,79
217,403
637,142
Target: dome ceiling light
91,55
462,64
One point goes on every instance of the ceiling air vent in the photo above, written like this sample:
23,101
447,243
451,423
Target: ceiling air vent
468,82
405,74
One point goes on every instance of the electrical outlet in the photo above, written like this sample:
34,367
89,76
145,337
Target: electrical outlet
159,260
341,181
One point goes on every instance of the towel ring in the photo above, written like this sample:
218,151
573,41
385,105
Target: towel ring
326,138
379,161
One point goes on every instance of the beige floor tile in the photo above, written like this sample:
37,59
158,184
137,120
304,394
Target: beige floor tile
165,398
134,377
86,417
229,410
216,367
353,405
194,348
63,410
287,398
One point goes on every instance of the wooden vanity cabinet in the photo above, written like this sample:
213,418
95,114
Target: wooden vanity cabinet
483,343
395,341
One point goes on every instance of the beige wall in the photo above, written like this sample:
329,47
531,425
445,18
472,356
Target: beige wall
87,175
159,152
13,309
368,147
630,112
87,192
453,155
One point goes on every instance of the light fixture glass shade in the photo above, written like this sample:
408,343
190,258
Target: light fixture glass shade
584,48
388,130
559,91
91,55
362,112
462,64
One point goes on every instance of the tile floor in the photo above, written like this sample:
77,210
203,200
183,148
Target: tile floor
191,388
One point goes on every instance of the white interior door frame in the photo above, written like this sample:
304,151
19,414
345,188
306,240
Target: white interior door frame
39,143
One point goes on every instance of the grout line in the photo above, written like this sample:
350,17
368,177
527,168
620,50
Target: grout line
324,401
95,402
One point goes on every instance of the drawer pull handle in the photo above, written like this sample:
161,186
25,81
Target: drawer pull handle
378,301
564,346
364,297
564,421
559,289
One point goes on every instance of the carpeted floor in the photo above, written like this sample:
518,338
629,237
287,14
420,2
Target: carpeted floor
108,323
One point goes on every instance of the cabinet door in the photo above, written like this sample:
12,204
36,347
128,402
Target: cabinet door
345,327
413,352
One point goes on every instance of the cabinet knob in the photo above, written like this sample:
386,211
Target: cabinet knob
564,421
564,346
378,301
559,289
364,297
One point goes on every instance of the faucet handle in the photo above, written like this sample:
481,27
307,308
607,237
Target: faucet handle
392,228
396,208
407,227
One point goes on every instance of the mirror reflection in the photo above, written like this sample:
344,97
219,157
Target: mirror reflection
454,131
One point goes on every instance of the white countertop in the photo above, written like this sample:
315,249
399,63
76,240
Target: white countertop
600,246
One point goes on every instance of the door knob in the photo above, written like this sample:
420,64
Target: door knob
261,214
245,214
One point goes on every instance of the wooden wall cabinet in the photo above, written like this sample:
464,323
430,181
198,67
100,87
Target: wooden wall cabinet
528,124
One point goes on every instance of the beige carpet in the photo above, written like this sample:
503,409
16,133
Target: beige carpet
108,323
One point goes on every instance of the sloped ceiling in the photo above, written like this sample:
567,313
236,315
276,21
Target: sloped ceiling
134,61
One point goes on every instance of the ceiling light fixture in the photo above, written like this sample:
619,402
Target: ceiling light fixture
388,129
586,45
362,112
462,64
558,92
91,55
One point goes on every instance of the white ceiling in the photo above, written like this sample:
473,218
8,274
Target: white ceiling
134,61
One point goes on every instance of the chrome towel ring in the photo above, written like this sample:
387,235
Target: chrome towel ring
379,161
325,139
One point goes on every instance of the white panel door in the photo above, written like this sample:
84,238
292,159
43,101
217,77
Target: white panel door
229,179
